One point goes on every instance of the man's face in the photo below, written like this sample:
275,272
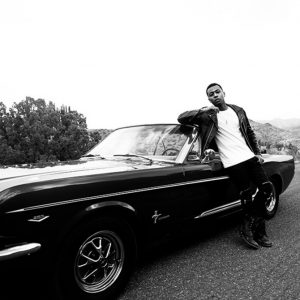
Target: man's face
216,96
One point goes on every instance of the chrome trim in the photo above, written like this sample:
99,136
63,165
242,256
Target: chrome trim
38,218
97,197
219,209
110,203
17,251
212,126
186,147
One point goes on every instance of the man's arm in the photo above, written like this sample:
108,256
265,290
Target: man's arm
252,137
188,117
194,116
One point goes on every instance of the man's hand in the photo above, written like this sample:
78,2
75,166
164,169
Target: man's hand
260,159
211,108
209,155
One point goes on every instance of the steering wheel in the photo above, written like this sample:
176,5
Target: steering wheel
170,149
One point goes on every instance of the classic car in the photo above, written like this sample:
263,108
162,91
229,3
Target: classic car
88,218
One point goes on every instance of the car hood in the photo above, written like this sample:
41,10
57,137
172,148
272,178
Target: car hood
17,175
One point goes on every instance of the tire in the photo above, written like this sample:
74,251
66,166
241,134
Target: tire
95,261
270,207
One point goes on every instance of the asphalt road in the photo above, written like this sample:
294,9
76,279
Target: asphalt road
213,263
204,261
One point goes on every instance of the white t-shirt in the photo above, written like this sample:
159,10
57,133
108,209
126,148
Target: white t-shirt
231,144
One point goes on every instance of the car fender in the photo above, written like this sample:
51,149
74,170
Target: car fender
113,209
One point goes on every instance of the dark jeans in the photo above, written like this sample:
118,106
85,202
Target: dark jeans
248,176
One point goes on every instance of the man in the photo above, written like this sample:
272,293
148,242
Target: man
227,127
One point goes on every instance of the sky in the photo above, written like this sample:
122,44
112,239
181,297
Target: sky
124,62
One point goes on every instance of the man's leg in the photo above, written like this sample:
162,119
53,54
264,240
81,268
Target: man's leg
239,175
265,192
249,218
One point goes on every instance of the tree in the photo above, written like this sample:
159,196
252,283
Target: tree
33,130
292,149
71,138
97,135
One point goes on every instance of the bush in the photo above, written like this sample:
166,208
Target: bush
32,131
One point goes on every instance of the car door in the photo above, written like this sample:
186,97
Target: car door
209,189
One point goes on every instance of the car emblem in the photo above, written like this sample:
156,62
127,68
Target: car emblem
158,217
38,218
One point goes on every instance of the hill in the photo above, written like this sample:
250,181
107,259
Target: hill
277,140
269,133
295,131
288,124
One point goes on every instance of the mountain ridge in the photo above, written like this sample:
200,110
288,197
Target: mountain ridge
292,123
276,140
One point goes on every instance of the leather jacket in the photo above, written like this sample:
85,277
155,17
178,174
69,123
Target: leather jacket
208,127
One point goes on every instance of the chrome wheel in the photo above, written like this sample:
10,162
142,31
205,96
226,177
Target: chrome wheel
99,261
271,203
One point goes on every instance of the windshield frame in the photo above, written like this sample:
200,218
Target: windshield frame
181,155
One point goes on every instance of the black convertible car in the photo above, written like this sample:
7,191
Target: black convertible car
88,217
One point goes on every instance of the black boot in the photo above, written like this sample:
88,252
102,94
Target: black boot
246,231
259,233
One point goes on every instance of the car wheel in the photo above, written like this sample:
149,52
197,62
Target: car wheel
96,260
272,204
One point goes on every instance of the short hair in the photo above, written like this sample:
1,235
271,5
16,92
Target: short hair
213,84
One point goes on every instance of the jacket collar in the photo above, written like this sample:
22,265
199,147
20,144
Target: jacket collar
234,107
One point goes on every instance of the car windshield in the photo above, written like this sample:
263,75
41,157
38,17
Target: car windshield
151,142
